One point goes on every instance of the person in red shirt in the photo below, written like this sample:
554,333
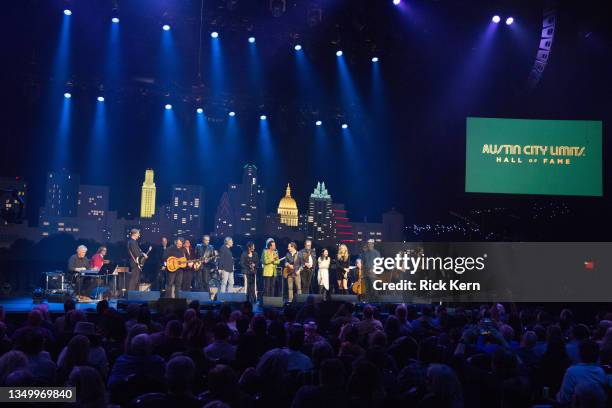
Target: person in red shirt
98,259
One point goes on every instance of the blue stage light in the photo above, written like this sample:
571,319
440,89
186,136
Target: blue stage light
166,27
263,117
200,111
509,21
339,53
496,19
168,106
100,99
214,34
298,47
318,123
115,20
67,95
397,2
68,12
374,59
252,40
344,126
232,114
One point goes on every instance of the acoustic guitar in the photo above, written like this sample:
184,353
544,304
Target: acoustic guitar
173,263
358,287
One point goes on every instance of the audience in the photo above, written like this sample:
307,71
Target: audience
43,369
220,349
138,360
314,356
586,371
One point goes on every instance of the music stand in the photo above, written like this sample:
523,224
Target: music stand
123,270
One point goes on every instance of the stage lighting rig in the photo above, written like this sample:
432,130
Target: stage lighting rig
278,7
314,14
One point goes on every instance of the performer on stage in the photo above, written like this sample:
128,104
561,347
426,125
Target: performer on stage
174,279
270,261
188,271
205,252
368,257
134,253
97,261
76,264
323,275
248,264
292,265
306,263
226,265
342,268
160,268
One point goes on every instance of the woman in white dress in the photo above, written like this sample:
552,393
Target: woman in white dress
323,276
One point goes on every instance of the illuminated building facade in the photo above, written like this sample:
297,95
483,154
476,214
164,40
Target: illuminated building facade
61,194
247,200
287,209
224,222
320,215
147,199
186,210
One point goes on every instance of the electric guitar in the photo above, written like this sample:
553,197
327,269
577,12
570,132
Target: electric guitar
206,259
140,261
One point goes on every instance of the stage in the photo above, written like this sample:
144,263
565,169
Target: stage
25,304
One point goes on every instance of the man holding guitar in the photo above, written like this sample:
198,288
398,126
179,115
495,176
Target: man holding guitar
137,258
205,252
291,271
175,260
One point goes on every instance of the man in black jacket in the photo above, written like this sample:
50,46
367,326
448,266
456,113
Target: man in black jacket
134,253
174,278
205,252
248,263
307,261
226,265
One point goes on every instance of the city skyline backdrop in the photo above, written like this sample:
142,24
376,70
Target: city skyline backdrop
83,210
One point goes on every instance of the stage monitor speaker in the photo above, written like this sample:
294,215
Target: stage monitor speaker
301,298
273,301
199,296
138,296
345,298
231,297
170,305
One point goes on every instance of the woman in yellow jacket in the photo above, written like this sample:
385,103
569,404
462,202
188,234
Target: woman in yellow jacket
270,260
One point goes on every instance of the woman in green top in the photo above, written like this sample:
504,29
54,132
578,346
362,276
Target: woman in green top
270,261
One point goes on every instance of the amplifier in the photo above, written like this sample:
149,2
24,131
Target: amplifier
54,281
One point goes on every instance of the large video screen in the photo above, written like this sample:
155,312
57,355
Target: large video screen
525,156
